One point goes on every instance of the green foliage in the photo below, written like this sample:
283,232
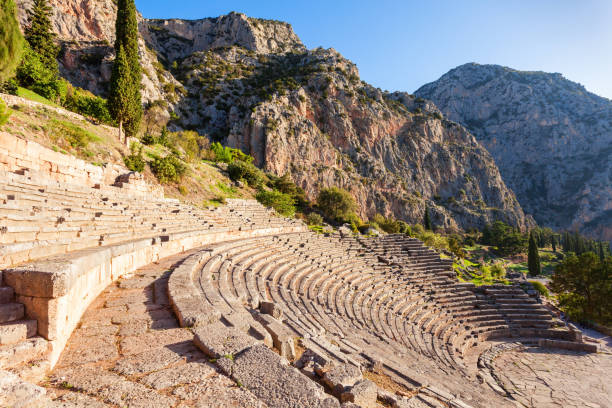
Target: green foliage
125,99
336,204
135,161
40,35
427,220
5,113
75,135
247,172
11,40
533,257
33,74
540,287
168,169
148,139
85,103
314,219
583,284
498,271
506,239
285,185
227,154
284,204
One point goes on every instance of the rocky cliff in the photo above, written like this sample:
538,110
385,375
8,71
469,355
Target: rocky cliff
252,84
307,113
551,139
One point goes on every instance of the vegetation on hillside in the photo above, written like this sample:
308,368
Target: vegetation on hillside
125,98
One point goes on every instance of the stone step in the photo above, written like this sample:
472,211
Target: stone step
14,355
11,311
7,294
14,332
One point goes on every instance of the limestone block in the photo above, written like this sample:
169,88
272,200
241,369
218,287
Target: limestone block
364,394
217,340
341,377
272,309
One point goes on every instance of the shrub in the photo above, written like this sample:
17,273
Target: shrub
87,104
5,113
135,161
498,271
336,204
227,154
34,75
283,203
540,287
314,219
239,170
168,169
148,139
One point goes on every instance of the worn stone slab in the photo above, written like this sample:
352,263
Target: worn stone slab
111,388
77,400
217,340
153,340
364,394
157,359
341,377
218,391
279,385
188,373
17,393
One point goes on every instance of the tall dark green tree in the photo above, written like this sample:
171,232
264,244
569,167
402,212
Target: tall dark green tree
533,260
553,242
125,99
39,34
11,40
427,220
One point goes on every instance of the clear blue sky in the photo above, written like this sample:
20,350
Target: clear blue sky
403,44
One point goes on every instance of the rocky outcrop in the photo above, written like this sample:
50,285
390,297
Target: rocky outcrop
176,39
252,84
551,139
86,32
308,114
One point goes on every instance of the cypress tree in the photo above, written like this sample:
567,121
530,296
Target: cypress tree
11,40
125,99
39,34
553,241
427,220
533,260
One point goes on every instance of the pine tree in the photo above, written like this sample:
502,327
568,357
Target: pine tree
125,99
533,260
553,241
39,34
11,40
427,220
602,254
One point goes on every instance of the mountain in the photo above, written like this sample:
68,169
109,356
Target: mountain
251,83
550,137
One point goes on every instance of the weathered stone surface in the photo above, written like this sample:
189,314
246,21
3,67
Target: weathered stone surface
17,393
363,393
272,309
270,379
189,373
217,340
341,377
218,392
156,359
77,400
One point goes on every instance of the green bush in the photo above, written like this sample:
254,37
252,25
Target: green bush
539,286
135,161
227,154
498,270
284,204
34,75
336,204
314,219
87,104
168,169
148,139
75,135
243,171
5,113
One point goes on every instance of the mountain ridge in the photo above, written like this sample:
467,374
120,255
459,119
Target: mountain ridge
251,83
551,138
